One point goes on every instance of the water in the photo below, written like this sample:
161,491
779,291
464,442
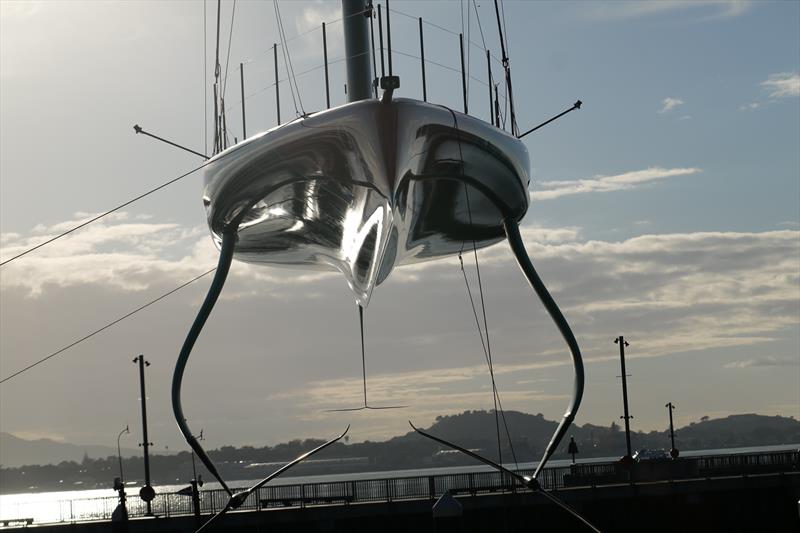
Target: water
48,507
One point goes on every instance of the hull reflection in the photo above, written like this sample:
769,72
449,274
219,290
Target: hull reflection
367,186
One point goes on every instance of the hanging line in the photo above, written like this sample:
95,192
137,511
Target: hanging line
110,324
117,208
364,375
487,347
228,57
288,61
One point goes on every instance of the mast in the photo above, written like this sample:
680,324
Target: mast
358,54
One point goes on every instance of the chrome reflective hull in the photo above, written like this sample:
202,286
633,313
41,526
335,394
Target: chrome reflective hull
367,186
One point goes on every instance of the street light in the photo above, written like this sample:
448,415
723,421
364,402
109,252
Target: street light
120,514
622,344
194,469
673,452
119,453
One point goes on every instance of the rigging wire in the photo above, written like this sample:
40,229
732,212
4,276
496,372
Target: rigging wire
110,324
217,143
480,26
228,57
374,53
487,347
469,48
205,80
104,214
507,69
288,61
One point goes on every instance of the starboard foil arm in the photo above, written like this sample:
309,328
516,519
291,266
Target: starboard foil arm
526,481
518,247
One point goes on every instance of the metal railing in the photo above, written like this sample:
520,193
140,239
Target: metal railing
424,487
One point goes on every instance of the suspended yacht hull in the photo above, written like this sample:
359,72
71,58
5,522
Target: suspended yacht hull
367,186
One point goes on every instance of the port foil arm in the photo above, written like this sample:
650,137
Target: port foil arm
524,480
518,247
237,499
223,266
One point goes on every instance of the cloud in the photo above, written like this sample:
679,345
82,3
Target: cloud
624,10
312,17
765,361
668,104
618,182
789,224
295,331
752,106
782,85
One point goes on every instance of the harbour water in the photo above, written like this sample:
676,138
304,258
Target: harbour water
65,506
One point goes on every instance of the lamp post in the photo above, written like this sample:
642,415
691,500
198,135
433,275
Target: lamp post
673,451
120,514
194,485
146,493
194,469
622,344
119,453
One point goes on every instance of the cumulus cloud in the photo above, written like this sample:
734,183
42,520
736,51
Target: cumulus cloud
684,292
668,104
782,85
618,182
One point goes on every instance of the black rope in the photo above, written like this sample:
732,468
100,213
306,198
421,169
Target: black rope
101,215
117,321
486,348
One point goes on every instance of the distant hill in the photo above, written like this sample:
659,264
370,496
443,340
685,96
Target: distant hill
15,451
531,433
740,430
471,429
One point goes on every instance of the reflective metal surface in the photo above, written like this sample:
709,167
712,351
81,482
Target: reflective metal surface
367,186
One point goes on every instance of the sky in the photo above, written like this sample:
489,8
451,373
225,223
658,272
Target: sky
667,210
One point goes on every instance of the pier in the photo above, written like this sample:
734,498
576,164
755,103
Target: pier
731,492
